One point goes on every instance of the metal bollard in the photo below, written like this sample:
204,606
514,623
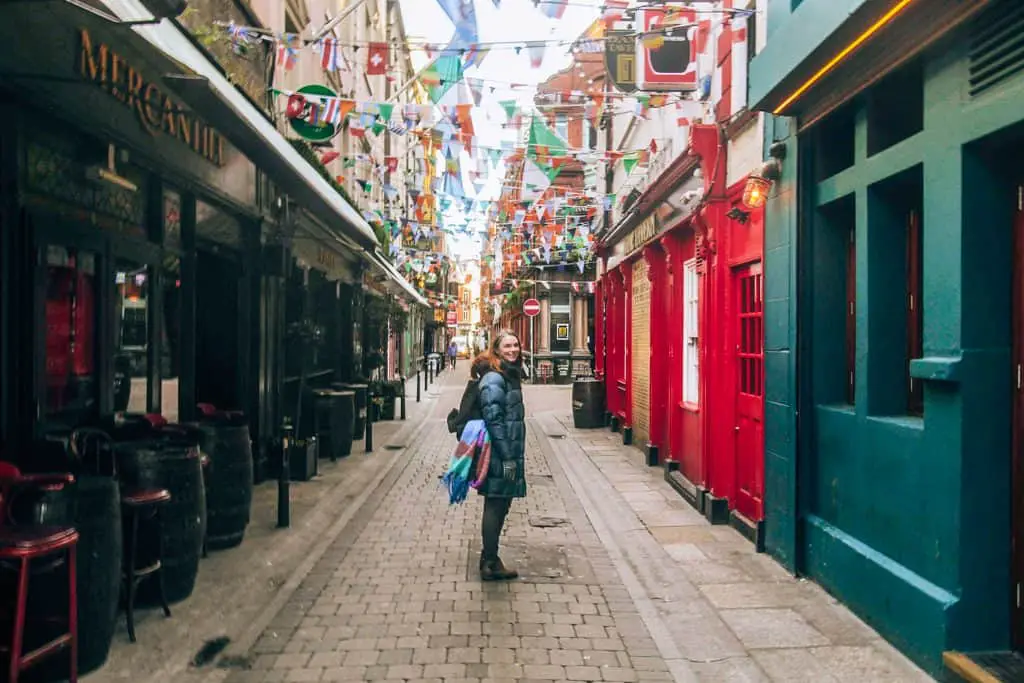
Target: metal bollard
403,398
417,385
284,516
369,427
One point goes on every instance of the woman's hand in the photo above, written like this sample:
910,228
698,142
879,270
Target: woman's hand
508,470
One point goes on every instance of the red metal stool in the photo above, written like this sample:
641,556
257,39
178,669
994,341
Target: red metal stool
20,546
142,506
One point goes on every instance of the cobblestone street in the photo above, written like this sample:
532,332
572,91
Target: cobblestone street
620,581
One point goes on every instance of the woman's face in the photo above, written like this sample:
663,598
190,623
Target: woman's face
509,349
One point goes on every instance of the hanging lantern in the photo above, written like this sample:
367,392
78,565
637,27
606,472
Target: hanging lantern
756,192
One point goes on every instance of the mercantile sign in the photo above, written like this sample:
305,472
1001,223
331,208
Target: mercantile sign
641,235
154,109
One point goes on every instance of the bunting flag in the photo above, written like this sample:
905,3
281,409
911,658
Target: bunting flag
535,50
287,52
476,88
377,62
553,9
511,107
440,75
330,54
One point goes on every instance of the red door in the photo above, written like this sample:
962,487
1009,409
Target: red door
749,391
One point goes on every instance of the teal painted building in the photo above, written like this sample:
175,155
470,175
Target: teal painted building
893,343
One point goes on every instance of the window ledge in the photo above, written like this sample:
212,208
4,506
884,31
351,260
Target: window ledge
936,368
905,421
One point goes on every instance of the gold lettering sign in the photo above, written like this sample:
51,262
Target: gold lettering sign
326,258
155,110
641,235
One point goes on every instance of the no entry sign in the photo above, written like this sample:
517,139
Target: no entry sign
531,307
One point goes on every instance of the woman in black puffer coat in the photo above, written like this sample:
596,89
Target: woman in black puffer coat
501,405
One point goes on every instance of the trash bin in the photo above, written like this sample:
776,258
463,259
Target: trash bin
335,416
588,403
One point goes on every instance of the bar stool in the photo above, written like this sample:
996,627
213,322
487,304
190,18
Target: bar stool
20,546
142,506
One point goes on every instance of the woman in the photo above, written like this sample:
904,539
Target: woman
501,405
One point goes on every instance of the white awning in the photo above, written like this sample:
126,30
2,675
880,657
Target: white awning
408,291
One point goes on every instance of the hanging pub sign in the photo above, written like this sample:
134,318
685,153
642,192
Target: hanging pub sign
155,110
620,58
666,59
308,113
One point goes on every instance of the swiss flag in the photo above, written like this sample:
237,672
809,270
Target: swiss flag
377,62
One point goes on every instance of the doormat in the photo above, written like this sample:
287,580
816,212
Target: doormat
536,562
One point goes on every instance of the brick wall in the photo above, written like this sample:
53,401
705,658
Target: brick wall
641,352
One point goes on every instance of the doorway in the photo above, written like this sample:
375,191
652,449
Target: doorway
217,337
1017,606
749,364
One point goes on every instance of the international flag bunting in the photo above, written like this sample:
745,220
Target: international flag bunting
377,62
535,50
441,75
287,52
330,54
553,9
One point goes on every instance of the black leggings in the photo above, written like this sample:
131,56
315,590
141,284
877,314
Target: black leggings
495,510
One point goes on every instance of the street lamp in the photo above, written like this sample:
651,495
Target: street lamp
759,184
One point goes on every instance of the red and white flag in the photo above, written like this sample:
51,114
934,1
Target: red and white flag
330,54
377,61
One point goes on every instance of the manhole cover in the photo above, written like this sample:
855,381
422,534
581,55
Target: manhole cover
548,522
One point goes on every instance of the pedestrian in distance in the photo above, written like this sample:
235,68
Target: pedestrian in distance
453,352
504,415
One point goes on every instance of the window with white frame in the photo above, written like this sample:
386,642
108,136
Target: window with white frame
691,333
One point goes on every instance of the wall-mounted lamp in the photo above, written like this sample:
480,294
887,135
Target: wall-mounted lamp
759,184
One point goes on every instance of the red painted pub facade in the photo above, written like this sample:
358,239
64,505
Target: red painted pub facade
679,306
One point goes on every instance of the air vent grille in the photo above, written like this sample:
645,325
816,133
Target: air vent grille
997,45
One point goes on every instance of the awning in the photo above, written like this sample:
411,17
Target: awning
209,93
406,290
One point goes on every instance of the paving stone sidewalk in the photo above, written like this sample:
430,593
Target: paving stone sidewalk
620,582
732,614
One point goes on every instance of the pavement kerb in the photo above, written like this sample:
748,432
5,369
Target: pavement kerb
547,425
240,645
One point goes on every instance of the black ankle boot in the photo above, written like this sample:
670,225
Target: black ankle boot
495,570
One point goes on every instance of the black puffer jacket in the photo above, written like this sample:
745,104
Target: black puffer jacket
501,403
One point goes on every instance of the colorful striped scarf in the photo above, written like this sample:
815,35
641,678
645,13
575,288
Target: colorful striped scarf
468,464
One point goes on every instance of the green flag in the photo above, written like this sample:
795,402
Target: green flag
510,107
385,109
441,75
628,162
542,137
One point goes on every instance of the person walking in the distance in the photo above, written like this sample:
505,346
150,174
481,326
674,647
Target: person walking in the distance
453,352
501,406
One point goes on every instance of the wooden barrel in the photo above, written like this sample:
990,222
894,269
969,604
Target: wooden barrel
172,463
229,478
588,403
359,421
92,504
335,412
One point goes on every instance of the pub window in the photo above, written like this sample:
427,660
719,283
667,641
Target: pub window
691,333
70,347
834,302
895,296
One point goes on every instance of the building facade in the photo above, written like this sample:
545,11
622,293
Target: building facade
680,297
892,314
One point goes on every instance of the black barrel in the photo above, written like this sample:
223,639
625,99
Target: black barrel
92,504
335,414
229,478
588,403
359,422
170,462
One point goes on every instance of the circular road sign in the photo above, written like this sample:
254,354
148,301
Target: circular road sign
531,307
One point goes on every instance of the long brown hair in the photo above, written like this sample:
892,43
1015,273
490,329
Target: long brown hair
493,354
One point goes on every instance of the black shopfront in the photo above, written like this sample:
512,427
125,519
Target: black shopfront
131,265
